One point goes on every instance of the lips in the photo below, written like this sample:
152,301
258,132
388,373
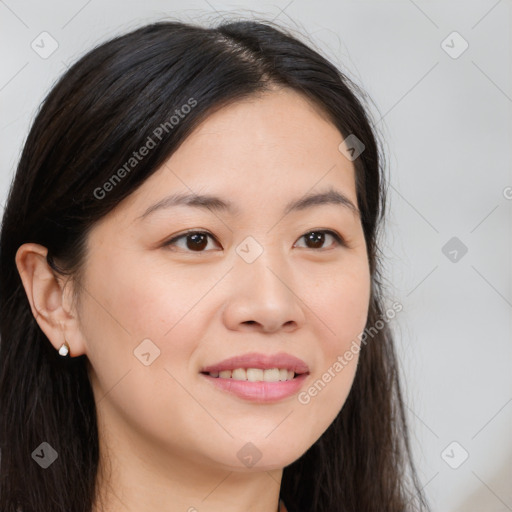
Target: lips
258,392
261,361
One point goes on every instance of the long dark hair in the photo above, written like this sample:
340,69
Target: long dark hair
102,110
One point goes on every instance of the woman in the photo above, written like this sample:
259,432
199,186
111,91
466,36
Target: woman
192,311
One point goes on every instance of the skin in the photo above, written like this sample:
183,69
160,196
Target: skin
168,438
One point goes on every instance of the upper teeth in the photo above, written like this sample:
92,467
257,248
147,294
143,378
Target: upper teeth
256,374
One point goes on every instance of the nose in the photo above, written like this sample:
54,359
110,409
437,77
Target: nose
263,296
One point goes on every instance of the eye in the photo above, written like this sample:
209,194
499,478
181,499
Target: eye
197,241
317,237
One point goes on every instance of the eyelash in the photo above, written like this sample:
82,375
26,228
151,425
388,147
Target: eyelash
340,241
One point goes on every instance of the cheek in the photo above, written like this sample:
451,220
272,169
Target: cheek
134,313
341,304
136,307
143,297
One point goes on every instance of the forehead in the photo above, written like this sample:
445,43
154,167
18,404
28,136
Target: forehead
260,153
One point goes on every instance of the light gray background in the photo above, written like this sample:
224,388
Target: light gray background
447,125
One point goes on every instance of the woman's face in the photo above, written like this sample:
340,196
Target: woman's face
255,279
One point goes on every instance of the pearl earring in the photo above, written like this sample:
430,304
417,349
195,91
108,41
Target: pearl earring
64,349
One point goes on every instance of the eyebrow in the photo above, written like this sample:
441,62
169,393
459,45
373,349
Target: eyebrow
210,202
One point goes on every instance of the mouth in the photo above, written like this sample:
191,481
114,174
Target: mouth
257,377
258,391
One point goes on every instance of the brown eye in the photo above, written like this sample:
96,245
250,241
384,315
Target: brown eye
195,241
316,239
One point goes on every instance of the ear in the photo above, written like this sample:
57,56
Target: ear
49,298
